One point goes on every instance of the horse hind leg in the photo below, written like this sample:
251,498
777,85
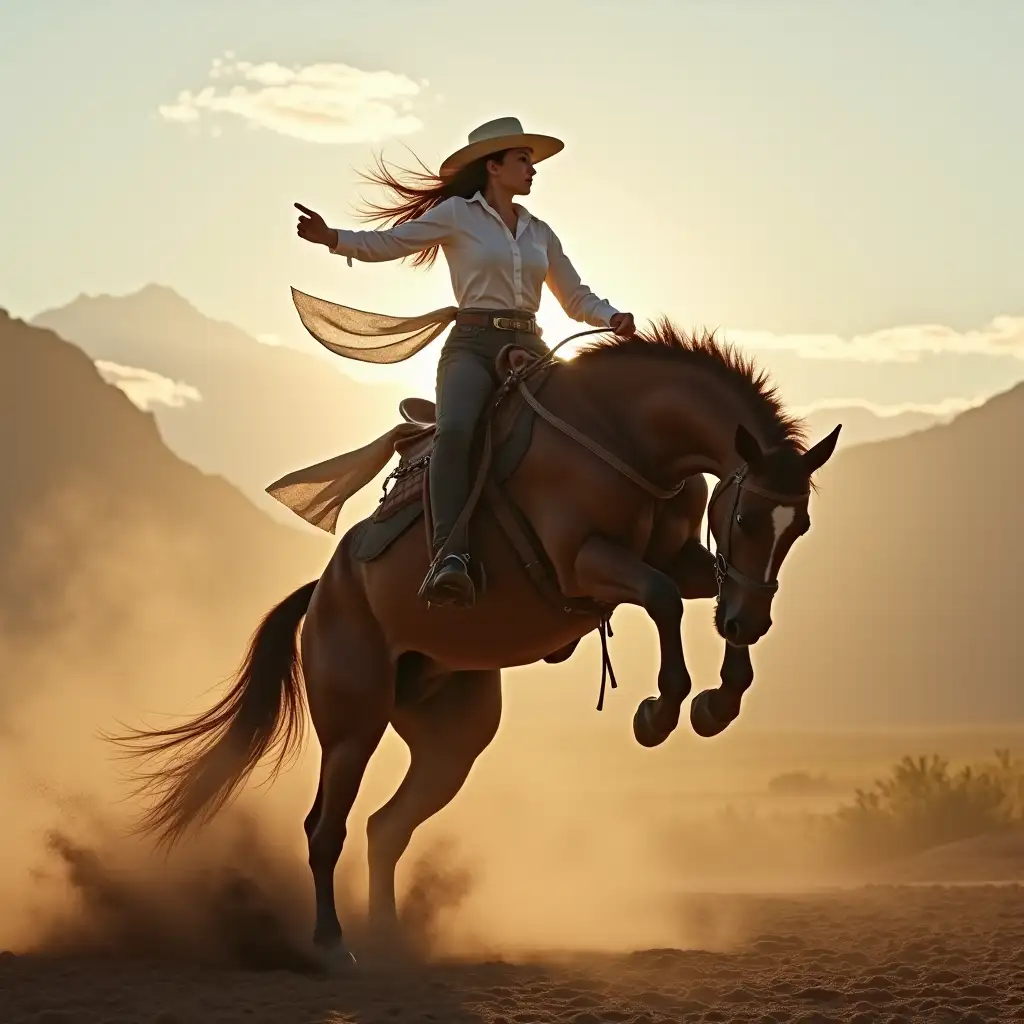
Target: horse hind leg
350,689
445,735
313,817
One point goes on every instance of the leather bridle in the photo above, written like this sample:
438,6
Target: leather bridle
738,478
723,567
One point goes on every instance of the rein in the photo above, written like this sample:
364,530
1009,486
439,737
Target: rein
517,380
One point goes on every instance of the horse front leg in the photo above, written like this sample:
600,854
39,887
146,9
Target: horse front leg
711,711
610,573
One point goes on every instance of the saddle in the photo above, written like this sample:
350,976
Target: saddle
410,486
410,479
501,422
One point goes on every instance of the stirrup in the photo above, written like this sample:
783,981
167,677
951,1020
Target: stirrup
463,595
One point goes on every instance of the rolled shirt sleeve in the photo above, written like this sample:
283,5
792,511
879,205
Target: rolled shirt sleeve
575,298
434,228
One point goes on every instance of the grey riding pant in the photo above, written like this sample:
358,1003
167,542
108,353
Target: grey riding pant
466,380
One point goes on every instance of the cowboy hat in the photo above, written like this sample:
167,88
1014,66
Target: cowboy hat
494,136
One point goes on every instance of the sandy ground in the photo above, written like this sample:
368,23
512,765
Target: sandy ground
875,954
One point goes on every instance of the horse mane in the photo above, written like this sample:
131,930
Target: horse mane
666,341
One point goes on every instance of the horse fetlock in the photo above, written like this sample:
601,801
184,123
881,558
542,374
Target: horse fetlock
710,714
654,721
737,678
674,685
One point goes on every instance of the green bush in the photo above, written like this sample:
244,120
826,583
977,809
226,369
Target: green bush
924,803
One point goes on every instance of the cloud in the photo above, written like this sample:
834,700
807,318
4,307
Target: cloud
325,103
145,388
1001,337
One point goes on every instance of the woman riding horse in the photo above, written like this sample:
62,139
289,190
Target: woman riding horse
499,256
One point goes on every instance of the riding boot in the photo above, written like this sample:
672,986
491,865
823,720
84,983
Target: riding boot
465,383
450,583
466,379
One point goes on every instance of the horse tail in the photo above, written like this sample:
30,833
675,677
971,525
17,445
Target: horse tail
210,757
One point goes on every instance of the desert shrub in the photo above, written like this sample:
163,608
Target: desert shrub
924,803
921,803
801,784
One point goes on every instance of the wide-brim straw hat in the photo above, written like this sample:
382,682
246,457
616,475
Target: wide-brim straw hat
494,136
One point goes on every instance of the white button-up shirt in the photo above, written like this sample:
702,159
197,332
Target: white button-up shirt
490,267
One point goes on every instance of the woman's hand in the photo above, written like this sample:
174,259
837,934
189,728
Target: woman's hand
313,228
622,324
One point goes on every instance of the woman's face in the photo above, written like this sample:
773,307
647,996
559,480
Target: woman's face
514,174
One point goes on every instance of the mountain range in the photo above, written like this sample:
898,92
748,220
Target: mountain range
901,607
224,401
903,603
123,564
251,411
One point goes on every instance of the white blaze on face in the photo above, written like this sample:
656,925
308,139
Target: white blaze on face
782,519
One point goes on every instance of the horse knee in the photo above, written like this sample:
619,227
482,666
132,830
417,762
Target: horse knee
662,599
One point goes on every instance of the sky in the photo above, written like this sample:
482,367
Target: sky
834,185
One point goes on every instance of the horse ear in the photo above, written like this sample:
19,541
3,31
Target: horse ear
816,457
747,447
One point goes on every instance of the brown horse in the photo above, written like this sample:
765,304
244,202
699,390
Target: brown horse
602,506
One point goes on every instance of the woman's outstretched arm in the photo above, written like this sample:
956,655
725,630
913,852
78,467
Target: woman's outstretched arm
433,228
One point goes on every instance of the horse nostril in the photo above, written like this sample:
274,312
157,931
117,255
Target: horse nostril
732,628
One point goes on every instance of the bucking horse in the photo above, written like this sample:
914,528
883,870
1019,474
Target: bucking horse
589,492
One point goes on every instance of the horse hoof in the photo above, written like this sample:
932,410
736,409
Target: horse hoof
646,734
336,959
703,719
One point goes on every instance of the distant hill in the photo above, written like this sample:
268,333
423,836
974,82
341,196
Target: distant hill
261,411
902,607
122,563
863,426
904,602
251,411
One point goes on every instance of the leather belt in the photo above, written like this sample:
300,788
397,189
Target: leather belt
522,323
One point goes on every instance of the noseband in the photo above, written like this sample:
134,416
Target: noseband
723,568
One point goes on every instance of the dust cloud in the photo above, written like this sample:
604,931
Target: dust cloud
567,835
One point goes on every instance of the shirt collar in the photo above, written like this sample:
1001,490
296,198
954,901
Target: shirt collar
524,213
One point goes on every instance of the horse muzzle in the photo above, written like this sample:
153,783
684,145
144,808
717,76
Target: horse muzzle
741,625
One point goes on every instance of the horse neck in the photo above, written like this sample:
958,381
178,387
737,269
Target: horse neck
675,418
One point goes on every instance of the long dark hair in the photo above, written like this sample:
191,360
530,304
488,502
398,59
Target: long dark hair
416,192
